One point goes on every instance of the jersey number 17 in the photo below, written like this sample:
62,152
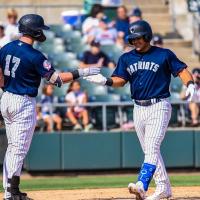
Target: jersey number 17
15,61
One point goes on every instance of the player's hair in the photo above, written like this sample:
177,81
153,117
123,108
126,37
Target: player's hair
12,12
71,85
97,8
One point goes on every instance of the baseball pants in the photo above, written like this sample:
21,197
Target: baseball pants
151,123
19,113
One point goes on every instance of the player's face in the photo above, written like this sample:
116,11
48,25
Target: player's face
140,44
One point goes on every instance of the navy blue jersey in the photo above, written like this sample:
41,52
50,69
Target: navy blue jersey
23,67
149,73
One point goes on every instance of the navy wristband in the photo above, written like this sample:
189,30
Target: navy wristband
109,82
75,74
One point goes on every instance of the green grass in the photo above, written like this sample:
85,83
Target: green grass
84,182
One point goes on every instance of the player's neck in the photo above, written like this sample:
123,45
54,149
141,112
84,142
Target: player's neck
145,49
27,39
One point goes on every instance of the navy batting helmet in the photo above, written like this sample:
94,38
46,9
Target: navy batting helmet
140,29
33,25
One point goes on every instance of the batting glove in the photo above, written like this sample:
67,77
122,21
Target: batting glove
89,71
190,92
98,79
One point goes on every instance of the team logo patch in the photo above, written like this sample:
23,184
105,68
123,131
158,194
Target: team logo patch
47,65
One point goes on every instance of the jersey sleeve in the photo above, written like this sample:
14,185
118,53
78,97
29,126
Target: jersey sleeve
120,70
175,64
43,66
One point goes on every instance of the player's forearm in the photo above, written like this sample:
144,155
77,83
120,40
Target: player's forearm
66,77
186,77
117,82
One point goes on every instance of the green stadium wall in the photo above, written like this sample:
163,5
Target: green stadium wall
105,150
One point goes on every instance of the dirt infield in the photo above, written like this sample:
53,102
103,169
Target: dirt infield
179,193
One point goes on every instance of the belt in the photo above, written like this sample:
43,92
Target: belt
147,102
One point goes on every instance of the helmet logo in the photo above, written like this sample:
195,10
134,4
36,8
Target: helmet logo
132,30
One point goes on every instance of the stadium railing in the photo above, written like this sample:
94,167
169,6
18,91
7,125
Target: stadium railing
119,105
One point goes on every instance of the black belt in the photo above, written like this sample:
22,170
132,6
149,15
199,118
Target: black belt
147,102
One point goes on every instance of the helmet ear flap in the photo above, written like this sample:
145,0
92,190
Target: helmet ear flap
147,38
41,37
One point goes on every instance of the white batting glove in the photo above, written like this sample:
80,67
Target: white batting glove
98,79
89,71
190,92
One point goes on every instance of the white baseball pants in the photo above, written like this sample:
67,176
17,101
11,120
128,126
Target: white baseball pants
19,113
151,123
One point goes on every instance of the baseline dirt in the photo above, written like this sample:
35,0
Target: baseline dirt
179,193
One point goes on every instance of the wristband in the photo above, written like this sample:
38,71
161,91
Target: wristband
190,82
109,82
75,74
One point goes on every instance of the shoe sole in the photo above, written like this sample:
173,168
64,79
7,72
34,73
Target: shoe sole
136,193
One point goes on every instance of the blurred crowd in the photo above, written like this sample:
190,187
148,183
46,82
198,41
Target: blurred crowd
97,32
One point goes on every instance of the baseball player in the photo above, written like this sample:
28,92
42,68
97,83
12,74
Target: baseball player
23,67
148,69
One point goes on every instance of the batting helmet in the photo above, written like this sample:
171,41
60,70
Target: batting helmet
139,29
33,25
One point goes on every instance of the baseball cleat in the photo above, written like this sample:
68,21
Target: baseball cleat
20,196
137,189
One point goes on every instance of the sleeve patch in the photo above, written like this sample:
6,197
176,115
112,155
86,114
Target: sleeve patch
47,65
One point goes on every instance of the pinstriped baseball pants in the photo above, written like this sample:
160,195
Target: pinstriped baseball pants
151,123
19,113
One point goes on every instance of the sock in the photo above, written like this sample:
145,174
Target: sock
7,193
146,174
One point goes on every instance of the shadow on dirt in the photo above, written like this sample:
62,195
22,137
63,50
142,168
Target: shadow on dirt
179,198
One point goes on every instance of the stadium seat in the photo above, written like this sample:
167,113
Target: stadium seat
112,51
93,90
68,66
175,97
49,35
176,85
60,92
78,48
111,112
64,58
57,29
107,72
125,90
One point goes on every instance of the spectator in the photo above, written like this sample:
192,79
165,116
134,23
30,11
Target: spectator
47,98
194,106
157,40
135,15
40,122
75,97
103,34
11,29
3,38
92,21
96,57
122,22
